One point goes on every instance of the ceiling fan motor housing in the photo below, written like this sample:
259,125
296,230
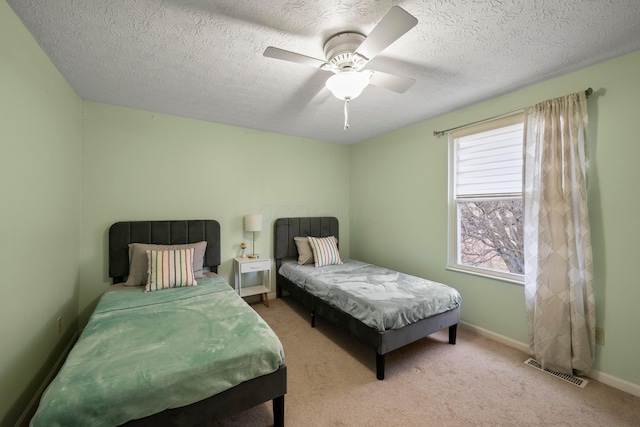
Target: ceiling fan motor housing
339,51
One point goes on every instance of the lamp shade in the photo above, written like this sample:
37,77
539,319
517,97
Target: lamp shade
348,84
253,222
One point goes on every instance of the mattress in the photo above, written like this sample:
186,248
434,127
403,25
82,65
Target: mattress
142,353
380,298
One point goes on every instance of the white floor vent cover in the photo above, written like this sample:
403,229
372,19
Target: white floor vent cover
569,378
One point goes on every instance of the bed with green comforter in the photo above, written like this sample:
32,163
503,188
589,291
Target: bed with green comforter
142,353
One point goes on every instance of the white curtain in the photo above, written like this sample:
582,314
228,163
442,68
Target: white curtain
558,259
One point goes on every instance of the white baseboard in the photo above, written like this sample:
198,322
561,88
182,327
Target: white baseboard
607,379
497,337
615,382
36,397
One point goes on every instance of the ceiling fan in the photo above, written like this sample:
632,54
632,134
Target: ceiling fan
348,53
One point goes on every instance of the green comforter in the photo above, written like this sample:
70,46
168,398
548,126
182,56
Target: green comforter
142,353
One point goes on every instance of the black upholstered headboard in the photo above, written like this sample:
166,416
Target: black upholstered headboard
285,229
161,233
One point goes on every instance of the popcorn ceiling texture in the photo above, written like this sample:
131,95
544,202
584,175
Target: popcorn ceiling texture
203,59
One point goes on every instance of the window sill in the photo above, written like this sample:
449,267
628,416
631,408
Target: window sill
504,277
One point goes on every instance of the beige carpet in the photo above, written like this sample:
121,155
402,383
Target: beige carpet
477,382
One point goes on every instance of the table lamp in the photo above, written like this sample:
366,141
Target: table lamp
253,223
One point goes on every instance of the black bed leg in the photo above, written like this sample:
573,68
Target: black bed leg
278,411
452,333
278,292
380,366
313,319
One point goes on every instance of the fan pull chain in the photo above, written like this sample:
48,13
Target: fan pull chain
346,113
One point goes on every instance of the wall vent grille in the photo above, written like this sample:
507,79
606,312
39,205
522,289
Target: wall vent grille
569,378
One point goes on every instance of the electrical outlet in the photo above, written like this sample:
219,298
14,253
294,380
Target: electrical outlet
600,336
59,325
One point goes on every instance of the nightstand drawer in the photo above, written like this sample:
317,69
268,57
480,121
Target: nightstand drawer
262,265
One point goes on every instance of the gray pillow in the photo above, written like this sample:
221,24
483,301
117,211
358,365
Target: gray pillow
305,254
139,267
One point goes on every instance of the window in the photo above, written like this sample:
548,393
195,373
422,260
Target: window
485,208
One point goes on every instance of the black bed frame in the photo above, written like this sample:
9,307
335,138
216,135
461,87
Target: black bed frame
237,399
285,229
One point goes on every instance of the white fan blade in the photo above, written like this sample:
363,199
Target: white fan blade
393,26
391,81
286,55
320,97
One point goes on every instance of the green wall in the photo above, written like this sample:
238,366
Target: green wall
139,165
399,205
40,212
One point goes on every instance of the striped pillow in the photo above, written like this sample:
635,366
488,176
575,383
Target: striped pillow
170,269
325,250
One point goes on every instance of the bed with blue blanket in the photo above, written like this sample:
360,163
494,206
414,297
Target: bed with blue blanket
383,308
187,355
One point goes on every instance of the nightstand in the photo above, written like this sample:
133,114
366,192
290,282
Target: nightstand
253,265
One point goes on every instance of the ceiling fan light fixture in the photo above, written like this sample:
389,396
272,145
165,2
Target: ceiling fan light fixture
348,84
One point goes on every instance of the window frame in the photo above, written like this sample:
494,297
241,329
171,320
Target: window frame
453,255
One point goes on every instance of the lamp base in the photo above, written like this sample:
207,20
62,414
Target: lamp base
253,256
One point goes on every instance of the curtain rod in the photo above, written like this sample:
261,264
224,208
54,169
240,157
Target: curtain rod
587,92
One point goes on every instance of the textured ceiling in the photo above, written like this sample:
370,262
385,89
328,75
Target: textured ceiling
203,58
